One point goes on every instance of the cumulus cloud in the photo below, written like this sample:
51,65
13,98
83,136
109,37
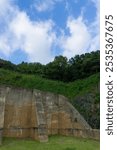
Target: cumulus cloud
78,40
82,37
7,13
34,38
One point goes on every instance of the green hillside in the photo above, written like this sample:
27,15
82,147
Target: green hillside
70,90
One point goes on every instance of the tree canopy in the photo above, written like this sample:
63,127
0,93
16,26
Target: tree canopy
61,69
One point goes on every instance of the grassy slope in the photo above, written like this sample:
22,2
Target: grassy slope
70,90
55,143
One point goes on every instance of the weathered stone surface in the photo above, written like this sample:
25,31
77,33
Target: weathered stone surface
2,111
40,115
18,109
36,114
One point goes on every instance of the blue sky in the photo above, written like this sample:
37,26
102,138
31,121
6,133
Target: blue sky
38,30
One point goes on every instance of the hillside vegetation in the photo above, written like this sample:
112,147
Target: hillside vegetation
70,90
83,92
60,69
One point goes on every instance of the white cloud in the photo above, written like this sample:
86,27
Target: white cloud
34,38
4,46
82,38
3,5
7,12
77,41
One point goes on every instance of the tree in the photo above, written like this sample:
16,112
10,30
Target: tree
31,68
7,65
57,69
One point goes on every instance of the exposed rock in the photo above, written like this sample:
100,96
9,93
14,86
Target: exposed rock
88,106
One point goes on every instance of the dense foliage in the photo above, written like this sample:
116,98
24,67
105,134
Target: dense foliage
61,69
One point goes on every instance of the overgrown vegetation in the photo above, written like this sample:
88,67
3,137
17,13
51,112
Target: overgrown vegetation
81,76
70,90
54,143
61,69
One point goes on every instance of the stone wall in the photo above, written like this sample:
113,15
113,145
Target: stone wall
2,111
36,114
84,133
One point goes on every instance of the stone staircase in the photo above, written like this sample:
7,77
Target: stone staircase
41,118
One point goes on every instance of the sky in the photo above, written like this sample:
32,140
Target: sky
39,30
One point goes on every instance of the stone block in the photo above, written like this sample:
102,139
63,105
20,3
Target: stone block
43,138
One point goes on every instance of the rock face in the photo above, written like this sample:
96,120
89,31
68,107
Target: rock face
36,114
